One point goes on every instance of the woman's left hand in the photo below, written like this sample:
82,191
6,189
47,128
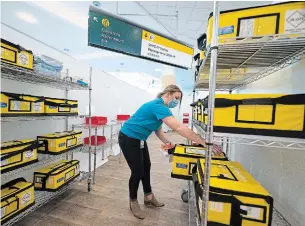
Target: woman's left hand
168,145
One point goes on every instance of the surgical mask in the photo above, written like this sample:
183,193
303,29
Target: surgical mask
173,103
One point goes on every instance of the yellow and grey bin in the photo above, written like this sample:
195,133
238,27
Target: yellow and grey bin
18,153
184,158
56,176
57,106
235,197
260,114
59,142
14,105
16,197
16,55
257,21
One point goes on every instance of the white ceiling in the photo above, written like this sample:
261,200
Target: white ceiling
192,15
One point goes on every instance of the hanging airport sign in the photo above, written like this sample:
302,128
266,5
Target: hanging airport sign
113,33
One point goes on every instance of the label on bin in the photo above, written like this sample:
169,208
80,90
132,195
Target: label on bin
29,154
23,59
4,162
252,212
26,198
216,206
295,21
3,105
195,151
16,105
3,211
181,165
37,106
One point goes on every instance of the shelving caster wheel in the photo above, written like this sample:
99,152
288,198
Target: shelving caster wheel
185,195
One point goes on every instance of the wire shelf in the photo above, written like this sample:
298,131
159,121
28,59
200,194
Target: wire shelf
93,126
32,118
99,147
242,61
263,141
41,198
42,160
12,72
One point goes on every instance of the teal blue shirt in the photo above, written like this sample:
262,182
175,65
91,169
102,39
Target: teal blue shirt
147,119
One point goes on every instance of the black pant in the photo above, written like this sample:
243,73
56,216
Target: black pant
139,163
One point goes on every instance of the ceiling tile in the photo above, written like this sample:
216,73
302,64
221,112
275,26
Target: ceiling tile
205,4
165,22
186,4
151,9
164,10
200,14
184,13
167,3
148,3
193,24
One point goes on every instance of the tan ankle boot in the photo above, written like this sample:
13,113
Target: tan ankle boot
153,201
136,209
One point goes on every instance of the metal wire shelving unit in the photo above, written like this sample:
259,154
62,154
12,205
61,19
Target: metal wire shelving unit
241,61
42,160
34,118
230,64
14,73
41,198
262,141
88,148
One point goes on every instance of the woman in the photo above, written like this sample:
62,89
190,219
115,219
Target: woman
132,140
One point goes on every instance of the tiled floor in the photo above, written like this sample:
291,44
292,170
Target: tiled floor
107,203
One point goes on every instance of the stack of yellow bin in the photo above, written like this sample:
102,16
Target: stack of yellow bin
260,114
57,175
16,196
235,197
185,158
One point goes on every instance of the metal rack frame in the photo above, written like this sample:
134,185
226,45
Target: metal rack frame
87,148
12,72
41,198
252,59
264,56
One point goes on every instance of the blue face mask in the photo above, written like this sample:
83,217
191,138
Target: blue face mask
173,103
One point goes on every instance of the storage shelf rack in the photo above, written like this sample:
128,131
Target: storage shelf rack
41,198
34,118
96,148
262,141
230,64
252,59
11,72
42,160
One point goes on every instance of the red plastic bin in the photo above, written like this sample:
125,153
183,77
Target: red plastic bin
97,120
100,140
122,117
185,120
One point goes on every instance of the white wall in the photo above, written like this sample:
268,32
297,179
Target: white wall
280,171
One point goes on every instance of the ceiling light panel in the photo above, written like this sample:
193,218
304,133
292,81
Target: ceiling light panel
27,17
